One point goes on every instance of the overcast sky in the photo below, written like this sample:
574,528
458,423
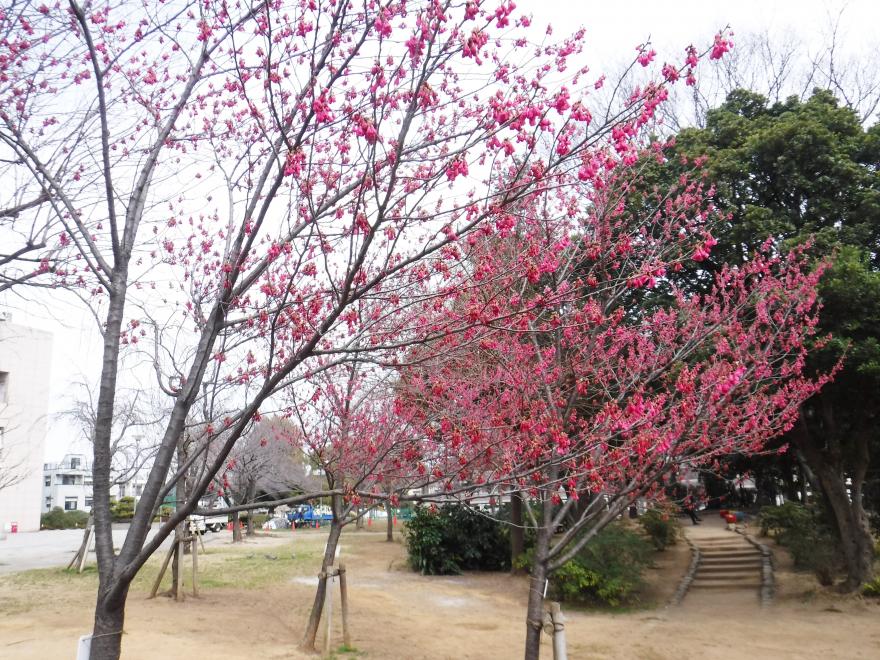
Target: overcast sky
613,30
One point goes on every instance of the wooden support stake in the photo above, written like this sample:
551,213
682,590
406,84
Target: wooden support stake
328,605
560,651
195,555
343,598
83,547
179,595
163,569
85,552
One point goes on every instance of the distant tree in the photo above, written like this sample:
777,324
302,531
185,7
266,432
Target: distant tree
789,172
267,460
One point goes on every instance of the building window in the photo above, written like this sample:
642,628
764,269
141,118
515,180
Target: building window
48,480
4,386
68,480
74,464
48,502
70,503
88,502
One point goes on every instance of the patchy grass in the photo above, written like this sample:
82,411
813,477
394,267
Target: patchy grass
250,565
254,569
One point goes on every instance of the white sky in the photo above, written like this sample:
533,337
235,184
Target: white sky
614,28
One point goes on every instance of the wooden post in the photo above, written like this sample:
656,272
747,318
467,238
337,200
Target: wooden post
328,604
84,546
343,599
85,552
560,651
163,569
195,556
178,548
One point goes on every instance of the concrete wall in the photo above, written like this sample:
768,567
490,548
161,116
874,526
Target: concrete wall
26,356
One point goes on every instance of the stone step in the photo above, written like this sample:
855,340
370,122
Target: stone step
745,569
736,559
732,585
723,551
744,552
732,543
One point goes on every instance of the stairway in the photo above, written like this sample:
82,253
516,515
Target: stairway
727,562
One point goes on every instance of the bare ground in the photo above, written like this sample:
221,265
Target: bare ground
397,614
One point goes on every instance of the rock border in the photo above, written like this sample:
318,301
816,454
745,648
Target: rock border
768,583
689,576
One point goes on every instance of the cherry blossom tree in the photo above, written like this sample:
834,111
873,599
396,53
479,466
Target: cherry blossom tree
253,185
362,442
586,380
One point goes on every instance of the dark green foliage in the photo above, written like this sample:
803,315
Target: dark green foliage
872,588
807,534
607,571
453,539
660,527
58,518
123,510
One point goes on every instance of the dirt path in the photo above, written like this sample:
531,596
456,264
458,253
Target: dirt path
397,614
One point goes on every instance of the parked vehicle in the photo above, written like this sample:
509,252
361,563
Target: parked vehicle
306,515
215,523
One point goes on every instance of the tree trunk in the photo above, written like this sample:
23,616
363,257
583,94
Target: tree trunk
308,643
389,530
535,612
852,525
174,592
106,641
236,528
826,461
251,496
517,532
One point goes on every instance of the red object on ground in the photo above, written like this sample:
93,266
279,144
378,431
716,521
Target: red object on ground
369,522
395,521
730,517
13,528
229,527
723,513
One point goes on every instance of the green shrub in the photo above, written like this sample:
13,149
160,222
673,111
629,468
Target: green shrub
453,539
872,588
661,528
808,536
607,571
123,510
58,518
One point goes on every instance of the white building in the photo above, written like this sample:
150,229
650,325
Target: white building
68,484
25,364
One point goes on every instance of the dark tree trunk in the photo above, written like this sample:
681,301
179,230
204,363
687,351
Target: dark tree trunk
236,528
825,460
517,532
535,612
321,592
389,530
852,525
175,568
107,631
251,495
